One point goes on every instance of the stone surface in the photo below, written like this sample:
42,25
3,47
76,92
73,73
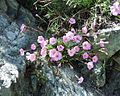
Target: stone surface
3,6
11,40
112,48
58,81
112,85
62,82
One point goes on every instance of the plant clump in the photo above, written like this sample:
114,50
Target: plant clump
74,45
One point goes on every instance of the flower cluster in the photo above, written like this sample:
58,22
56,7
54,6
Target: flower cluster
115,9
73,44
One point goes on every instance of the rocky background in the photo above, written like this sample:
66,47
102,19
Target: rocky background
53,81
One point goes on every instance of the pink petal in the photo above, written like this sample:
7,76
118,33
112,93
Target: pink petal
84,29
80,80
22,52
72,21
95,59
33,46
90,65
53,41
23,28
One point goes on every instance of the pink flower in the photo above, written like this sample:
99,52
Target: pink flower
57,56
60,48
102,43
80,80
95,59
86,45
115,9
43,52
40,39
88,34
84,29
53,41
23,28
77,38
33,46
70,35
85,55
73,31
77,49
66,39
90,65
71,52
52,52
72,21
31,57
22,52
44,43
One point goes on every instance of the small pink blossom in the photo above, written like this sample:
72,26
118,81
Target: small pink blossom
70,35
86,45
72,21
23,28
80,80
84,29
73,31
71,52
43,52
52,52
40,39
53,40
85,55
66,39
44,43
33,46
22,52
60,48
31,57
77,38
115,9
77,49
90,65
95,59
102,43
57,56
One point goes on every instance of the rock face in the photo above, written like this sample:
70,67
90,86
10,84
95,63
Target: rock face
11,40
58,81
62,82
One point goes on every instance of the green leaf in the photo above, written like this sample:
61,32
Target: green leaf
49,47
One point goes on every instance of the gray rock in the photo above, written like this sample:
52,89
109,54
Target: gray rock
11,40
4,22
12,6
12,31
16,12
64,84
3,6
50,83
